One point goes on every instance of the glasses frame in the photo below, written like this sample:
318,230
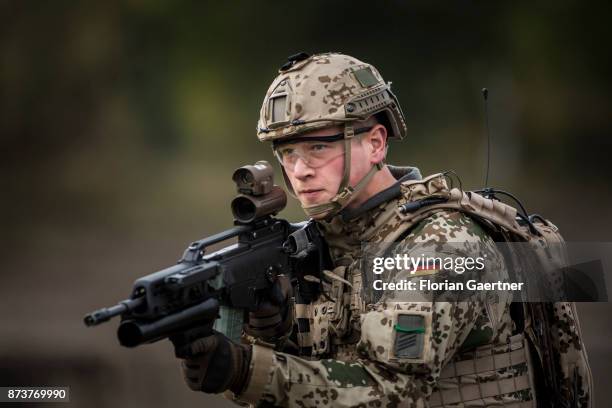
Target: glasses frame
330,138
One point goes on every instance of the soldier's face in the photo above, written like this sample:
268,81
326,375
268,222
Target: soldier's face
318,184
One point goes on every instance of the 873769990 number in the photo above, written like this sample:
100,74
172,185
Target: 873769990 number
34,394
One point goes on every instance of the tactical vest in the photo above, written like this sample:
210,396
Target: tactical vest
479,376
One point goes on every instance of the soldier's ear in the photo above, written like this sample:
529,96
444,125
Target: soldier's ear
377,143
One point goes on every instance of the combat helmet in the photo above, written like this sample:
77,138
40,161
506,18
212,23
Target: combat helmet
322,90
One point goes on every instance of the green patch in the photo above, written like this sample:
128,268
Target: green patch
346,375
365,77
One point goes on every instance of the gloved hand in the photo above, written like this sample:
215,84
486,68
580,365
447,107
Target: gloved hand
215,364
274,317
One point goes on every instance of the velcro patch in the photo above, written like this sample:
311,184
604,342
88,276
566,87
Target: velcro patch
409,336
366,77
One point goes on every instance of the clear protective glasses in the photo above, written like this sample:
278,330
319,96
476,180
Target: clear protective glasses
315,151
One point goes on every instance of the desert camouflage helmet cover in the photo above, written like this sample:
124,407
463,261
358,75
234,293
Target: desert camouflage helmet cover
313,92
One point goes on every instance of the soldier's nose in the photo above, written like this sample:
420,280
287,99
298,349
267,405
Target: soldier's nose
302,169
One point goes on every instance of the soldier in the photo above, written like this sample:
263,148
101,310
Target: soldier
330,118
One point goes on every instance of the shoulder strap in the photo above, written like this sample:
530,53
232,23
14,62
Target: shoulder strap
422,198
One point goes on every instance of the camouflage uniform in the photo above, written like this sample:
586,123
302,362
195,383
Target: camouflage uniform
352,362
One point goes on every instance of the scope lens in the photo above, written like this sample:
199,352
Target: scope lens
245,176
243,209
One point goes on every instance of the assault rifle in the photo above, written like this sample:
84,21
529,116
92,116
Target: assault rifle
203,291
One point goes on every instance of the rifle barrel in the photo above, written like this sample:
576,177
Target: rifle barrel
107,313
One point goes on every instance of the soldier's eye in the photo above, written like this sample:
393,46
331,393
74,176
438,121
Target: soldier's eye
318,147
286,151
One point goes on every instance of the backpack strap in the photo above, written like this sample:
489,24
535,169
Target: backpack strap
422,198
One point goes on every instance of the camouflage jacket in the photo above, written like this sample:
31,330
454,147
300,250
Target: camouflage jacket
355,359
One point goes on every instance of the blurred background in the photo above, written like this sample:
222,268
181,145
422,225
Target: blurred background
122,122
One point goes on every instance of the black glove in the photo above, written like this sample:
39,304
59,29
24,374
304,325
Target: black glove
274,316
214,364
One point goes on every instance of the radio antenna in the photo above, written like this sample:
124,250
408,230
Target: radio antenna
485,96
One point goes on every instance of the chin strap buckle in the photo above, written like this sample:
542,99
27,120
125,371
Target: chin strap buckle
343,197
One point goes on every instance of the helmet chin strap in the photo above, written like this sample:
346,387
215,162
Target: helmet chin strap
346,193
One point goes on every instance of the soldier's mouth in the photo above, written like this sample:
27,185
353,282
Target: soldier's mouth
310,193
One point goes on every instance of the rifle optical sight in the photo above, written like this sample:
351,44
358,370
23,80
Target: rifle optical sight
255,180
257,195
